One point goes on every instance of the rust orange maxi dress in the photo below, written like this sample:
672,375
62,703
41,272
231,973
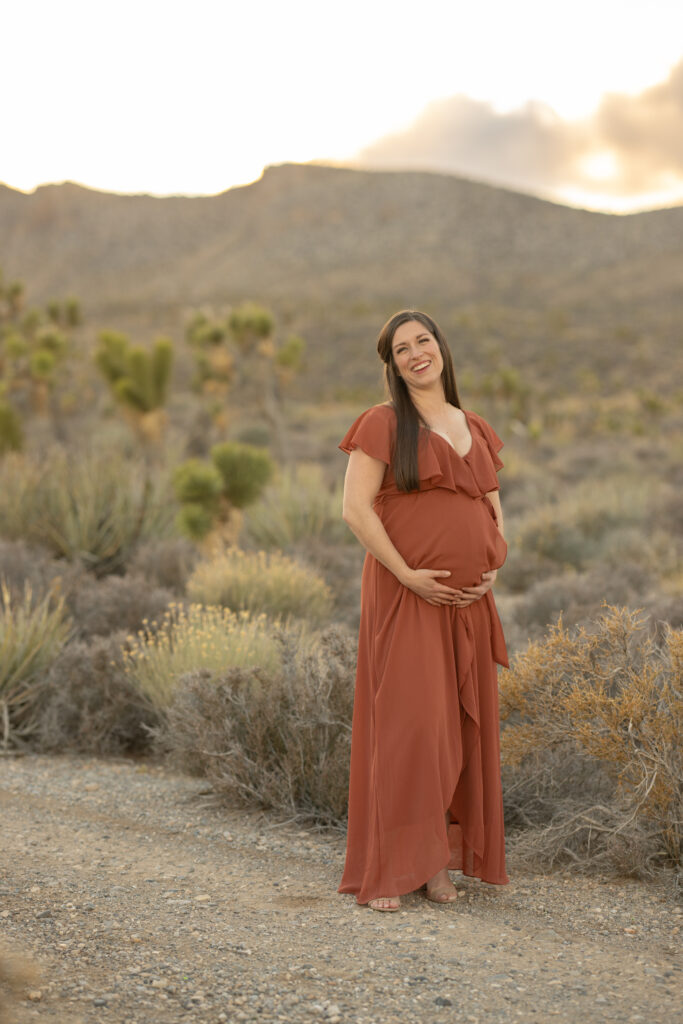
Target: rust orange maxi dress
425,734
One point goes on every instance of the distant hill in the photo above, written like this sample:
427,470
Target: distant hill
337,250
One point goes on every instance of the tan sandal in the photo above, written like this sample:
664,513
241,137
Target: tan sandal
447,895
385,910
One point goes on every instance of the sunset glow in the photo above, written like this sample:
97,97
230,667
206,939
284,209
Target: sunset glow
168,98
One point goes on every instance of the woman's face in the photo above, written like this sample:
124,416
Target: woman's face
417,355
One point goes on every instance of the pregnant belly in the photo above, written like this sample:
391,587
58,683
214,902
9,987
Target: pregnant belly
442,529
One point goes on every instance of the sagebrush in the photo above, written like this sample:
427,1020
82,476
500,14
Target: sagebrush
606,699
276,739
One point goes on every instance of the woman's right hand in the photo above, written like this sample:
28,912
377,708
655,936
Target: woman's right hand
425,583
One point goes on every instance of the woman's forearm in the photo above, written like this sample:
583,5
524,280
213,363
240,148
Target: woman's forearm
369,529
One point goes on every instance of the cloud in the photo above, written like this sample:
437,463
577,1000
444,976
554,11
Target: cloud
631,144
645,131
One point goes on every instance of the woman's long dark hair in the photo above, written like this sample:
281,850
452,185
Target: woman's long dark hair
408,421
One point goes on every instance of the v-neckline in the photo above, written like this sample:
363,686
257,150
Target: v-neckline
453,449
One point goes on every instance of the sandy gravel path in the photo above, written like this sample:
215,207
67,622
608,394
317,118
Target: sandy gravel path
140,900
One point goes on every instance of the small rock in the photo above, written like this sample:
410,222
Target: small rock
442,1001
91,786
44,914
35,995
99,1001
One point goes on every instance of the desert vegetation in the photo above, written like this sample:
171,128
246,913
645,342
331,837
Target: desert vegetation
176,578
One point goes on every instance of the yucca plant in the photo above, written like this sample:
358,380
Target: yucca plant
31,636
93,508
297,507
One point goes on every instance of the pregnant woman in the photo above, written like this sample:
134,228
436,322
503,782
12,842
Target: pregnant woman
421,495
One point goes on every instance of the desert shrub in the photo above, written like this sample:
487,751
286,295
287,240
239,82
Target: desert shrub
257,435
22,564
91,705
103,606
278,739
187,639
522,569
573,532
166,563
607,699
580,595
296,508
31,636
260,582
94,507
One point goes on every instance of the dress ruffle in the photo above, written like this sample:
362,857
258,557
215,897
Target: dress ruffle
439,465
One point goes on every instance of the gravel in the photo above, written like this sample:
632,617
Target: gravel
140,899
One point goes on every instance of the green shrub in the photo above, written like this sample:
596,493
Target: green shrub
260,582
31,636
187,639
279,738
244,471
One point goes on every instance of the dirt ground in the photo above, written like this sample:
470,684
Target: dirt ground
128,895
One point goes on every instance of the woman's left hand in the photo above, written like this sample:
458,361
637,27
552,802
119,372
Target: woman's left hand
466,595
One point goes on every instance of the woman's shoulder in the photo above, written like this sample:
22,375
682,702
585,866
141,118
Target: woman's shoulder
479,421
373,431
489,435
383,412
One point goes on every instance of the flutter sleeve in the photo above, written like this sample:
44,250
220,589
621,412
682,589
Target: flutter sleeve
492,440
373,431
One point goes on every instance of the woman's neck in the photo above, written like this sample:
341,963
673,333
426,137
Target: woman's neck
429,402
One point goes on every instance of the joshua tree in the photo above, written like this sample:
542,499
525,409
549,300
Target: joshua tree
241,352
34,346
211,493
139,380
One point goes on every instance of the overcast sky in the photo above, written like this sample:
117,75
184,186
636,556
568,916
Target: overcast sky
580,102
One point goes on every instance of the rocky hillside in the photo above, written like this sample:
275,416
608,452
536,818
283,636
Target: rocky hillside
308,230
334,251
